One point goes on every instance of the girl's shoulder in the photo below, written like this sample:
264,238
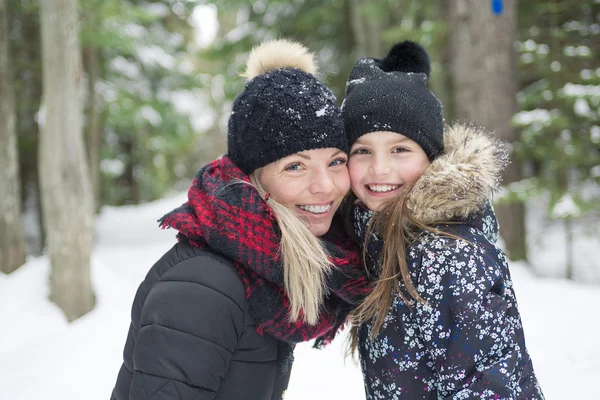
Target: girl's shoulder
443,236
456,249
456,241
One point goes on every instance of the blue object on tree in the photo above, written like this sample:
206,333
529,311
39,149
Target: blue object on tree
497,7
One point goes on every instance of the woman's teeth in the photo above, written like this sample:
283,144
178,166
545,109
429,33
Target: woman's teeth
382,188
316,209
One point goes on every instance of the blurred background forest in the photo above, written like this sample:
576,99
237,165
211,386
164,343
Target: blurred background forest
157,79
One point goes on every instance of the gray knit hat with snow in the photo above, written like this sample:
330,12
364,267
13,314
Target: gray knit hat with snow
284,108
392,95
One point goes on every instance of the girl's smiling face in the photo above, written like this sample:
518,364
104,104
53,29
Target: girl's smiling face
381,164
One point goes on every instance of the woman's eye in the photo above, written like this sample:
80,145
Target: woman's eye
293,167
399,150
338,161
360,151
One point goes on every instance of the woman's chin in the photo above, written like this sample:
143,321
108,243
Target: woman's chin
318,226
320,230
319,223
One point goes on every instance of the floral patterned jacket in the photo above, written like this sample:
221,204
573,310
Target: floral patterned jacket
467,340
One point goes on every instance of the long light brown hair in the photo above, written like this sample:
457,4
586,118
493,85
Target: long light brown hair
398,228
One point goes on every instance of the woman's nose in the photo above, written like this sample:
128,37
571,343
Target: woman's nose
322,182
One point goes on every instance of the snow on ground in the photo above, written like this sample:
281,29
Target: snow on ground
547,245
42,357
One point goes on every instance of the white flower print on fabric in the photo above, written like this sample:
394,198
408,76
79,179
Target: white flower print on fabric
467,341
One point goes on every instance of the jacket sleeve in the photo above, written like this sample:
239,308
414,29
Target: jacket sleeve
467,325
187,332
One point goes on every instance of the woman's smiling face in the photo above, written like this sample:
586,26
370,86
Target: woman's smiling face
381,164
312,182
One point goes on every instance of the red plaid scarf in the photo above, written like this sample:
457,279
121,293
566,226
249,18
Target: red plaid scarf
230,218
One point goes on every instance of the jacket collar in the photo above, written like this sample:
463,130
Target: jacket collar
462,181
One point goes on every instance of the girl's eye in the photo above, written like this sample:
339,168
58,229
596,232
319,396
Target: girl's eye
399,150
338,161
360,151
293,167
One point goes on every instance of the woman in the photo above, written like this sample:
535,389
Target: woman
259,264
442,321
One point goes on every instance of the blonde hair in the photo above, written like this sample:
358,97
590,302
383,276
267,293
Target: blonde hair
305,262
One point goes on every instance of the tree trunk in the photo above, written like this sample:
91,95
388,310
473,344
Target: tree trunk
569,248
440,81
94,129
485,89
131,175
12,241
367,30
66,190
26,57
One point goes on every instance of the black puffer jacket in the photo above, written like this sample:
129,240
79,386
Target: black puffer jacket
171,354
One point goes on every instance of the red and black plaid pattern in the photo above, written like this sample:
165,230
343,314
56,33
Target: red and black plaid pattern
227,215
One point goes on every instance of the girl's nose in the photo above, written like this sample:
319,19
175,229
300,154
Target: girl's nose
381,166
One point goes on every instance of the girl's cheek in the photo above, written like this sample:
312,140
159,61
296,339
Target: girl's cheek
356,185
354,173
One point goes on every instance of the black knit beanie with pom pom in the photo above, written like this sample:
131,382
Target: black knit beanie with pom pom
391,94
284,108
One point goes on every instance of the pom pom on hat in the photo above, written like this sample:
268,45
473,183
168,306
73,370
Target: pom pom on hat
407,56
276,54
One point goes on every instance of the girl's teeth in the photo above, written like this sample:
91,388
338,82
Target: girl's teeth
383,188
316,209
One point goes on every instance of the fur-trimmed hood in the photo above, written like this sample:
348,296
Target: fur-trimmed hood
462,179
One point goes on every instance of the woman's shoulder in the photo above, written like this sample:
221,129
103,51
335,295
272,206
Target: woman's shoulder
185,265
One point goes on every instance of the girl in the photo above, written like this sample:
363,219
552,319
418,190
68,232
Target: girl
258,266
442,321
